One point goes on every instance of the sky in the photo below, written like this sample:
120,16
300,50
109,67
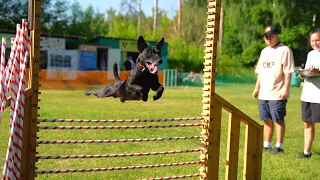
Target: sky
169,6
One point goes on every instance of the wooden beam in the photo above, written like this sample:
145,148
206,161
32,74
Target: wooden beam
253,153
211,110
233,146
29,144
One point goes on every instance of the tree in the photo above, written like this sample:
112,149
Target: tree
59,18
12,12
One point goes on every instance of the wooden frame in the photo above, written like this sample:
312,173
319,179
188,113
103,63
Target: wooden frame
212,108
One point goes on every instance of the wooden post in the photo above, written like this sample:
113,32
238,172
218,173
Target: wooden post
31,102
139,18
253,153
221,31
211,110
233,146
155,16
179,16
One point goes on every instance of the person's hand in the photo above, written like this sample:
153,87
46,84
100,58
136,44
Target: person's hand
255,93
302,77
313,71
284,95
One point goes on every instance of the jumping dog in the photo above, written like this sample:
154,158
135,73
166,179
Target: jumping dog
142,78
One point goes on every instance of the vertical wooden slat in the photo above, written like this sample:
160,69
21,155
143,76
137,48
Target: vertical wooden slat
214,142
25,139
30,14
35,88
253,153
259,150
233,146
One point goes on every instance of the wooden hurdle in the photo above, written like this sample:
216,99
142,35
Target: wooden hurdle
211,115
212,107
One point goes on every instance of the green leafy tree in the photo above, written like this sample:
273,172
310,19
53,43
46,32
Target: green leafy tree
186,51
59,18
12,12
124,26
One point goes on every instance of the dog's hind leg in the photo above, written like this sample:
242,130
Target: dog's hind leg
135,88
106,91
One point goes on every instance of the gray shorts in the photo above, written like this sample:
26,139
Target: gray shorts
310,111
272,110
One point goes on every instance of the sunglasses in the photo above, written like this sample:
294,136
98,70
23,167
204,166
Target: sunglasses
268,36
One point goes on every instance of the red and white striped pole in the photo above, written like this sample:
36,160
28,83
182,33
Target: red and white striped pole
8,71
2,76
14,141
16,82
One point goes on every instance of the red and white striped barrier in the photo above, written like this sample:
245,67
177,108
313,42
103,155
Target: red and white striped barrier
118,155
118,127
115,140
13,79
119,121
2,75
176,177
117,168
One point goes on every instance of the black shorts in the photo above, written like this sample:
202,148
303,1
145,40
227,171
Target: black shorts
310,111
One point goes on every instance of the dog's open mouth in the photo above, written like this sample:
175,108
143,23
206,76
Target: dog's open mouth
152,68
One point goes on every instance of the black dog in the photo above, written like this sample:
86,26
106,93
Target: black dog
142,78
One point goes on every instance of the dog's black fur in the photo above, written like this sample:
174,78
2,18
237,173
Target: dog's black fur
142,78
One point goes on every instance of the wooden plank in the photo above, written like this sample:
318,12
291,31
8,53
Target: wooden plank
25,139
253,153
211,112
30,13
31,111
214,142
259,153
233,146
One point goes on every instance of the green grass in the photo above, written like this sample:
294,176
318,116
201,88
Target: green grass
180,102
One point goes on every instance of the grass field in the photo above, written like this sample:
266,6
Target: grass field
179,102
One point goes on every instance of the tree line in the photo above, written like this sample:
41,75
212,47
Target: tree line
243,24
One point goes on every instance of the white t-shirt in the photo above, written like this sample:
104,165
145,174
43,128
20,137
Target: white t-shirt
311,87
273,64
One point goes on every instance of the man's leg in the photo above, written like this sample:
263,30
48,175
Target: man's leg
278,112
268,132
280,129
309,133
264,113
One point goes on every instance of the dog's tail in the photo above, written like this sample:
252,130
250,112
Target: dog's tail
115,72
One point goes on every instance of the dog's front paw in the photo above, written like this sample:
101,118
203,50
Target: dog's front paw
158,93
156,97
87,93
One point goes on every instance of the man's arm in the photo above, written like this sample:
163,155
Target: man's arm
257,88
286,87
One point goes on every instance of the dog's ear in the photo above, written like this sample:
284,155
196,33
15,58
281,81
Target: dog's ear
160,43
141,44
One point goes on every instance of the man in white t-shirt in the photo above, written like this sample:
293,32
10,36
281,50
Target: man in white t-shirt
310,97
273,70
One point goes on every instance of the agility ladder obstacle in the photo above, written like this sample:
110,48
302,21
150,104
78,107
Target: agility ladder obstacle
22,147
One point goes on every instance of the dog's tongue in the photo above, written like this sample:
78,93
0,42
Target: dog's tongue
152,68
